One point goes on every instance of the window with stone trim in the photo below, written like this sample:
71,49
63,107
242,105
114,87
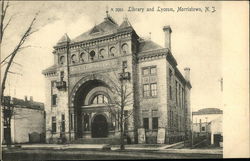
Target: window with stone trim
153,70
53,126
155,123
153,88
150,70
146,123
146,90
54,100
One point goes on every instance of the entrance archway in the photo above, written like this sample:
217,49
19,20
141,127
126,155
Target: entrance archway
99,127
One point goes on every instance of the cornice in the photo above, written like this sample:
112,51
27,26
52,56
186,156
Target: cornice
97,41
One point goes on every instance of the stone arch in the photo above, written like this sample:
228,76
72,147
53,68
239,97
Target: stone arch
85,79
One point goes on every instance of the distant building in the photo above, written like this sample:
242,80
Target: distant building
27,123
203,116
208,121
216,131
84,70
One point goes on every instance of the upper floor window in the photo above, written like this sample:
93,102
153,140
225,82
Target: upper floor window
152,70
102,53
149,70
125,48
100,99
145,71
82,57
170,75
146,90
62,60
73,58
112,51
92,55
153,88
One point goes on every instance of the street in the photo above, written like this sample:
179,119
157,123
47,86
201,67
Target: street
85,154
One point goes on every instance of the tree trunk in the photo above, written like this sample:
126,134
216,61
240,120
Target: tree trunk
122,147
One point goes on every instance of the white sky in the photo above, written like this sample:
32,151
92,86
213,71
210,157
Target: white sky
196,41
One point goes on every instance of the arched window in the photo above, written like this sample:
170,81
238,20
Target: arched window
82,57
73,58
92,55
125,48
99,99
102,53
62,60
112,51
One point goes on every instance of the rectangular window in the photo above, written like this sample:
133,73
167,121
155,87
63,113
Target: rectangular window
146,123
53,124
146,90
54,100
155,123
63,123
152,70
145,71
203,128
170,76
153,88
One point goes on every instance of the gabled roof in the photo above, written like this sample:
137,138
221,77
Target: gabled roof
64,39
125,24
106,27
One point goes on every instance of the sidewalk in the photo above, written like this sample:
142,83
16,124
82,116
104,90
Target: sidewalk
62,146
158,148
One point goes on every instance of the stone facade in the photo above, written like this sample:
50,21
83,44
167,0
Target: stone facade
80,86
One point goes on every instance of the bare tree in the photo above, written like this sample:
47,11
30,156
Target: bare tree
7,108
122,91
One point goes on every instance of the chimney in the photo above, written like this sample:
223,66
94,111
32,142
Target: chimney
187,73
167,30
31,98
25,98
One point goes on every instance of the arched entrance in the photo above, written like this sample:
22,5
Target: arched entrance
99,127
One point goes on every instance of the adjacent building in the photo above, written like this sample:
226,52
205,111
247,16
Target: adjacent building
80,102
208,121
27,123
